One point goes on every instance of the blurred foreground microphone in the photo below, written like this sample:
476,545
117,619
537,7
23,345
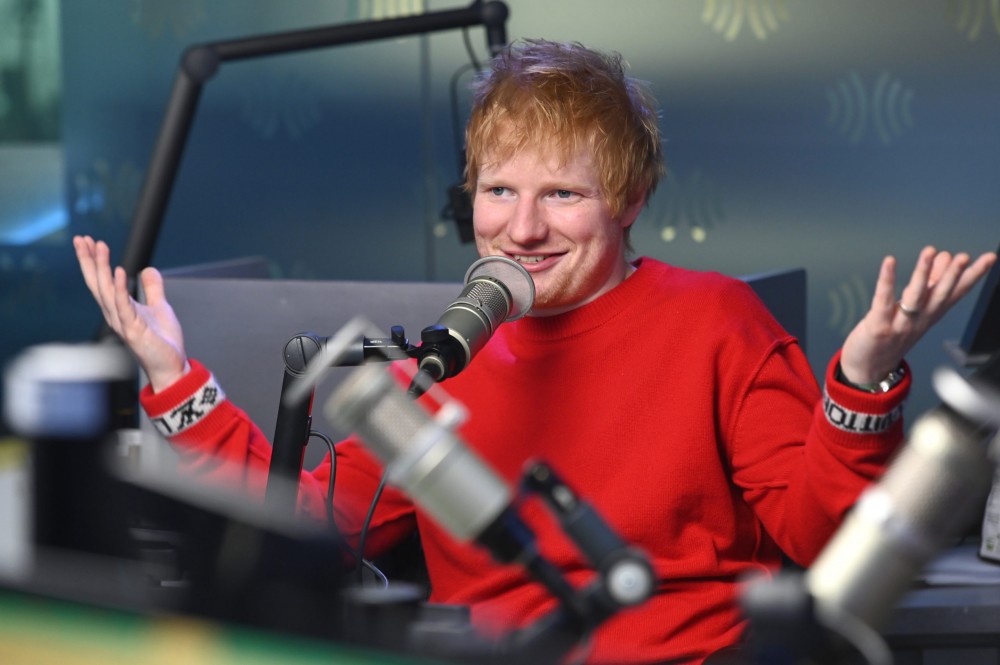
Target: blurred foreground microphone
61,399
926,499
425,459
497,289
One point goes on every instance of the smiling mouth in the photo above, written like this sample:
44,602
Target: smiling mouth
520,258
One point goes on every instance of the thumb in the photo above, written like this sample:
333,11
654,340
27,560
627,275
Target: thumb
152,286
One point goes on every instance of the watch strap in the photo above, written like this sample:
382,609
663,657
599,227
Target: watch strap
891,380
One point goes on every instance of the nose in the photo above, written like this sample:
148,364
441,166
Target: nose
527,223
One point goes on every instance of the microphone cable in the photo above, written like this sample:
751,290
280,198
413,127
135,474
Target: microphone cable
364,535
332,482
473,60
458,207
359,554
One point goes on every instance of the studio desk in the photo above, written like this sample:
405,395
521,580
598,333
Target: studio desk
952,617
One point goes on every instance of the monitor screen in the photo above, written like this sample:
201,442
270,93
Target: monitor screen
981,338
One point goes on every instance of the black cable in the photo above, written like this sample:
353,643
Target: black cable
362,562
459,205
333,477
375,571
364,529
456,127
469,50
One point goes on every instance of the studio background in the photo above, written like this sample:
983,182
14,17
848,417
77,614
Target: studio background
799,133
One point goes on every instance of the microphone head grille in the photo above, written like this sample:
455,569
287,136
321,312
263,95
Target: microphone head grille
514,278
369,403
491,298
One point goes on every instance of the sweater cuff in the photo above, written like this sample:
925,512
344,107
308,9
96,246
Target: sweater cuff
186,403
851,410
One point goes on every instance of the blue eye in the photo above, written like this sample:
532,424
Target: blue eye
563,193
498,191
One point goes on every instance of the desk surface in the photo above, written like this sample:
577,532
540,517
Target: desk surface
39,630
42,631
947,612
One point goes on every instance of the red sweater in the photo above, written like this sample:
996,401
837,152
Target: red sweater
674,404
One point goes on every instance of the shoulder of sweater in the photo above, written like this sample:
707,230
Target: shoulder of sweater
701,285
710,305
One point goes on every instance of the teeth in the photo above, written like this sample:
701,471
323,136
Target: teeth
528,259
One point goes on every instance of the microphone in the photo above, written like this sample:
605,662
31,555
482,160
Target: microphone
424,458
497,289
923,501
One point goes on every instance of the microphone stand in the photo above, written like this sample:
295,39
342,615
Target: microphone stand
293,426
624,578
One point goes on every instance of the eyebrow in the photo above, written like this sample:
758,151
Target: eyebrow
548,185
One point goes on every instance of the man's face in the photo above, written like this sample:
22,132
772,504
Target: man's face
554,221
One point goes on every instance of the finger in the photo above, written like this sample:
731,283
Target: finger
152,286
884,300
972,274
105,284
124,304
84,246
943,293
913,294
942,262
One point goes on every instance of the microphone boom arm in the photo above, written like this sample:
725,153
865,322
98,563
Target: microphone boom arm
200,62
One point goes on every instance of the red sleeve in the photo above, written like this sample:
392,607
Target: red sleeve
799,490
218,442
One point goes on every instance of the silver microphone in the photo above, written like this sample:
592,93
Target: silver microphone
421,454
497,289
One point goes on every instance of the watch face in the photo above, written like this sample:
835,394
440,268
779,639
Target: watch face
889,382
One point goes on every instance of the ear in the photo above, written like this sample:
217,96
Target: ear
631,212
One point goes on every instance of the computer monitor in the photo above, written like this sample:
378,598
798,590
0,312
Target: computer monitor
981,339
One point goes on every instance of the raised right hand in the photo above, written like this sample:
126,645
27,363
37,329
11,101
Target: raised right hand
151,331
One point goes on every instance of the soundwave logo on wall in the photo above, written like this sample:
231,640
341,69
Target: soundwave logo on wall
885,108
282,103
849,301
971,17
691,207
728,17
107,193
181,17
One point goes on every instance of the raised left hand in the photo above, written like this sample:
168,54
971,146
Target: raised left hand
893,326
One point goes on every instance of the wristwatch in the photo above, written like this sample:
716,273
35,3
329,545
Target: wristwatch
891,380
